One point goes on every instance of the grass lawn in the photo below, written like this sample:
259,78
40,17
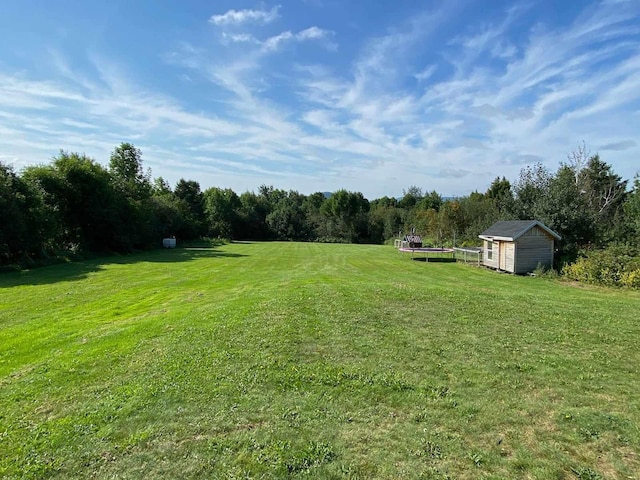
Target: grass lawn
274,360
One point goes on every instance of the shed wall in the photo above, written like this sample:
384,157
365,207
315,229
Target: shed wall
503,255
490,262
533,250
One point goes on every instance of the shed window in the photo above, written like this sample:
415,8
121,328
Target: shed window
490,250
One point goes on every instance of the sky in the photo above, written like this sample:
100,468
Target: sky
319,95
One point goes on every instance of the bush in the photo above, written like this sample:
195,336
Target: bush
617,265
631,278
543,271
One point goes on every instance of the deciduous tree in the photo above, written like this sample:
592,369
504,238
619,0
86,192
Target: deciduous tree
221,208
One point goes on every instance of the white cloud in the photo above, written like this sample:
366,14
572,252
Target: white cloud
426,73
382,123
313,33
504,50
239,37
272,43
453,172
236,17
323,119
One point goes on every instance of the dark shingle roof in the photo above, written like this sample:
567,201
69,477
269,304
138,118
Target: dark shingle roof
515,228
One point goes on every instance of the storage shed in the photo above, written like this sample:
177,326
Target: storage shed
518,246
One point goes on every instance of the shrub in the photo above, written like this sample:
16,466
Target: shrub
631,278
617,265
543,271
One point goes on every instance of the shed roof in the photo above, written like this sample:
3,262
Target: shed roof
511,230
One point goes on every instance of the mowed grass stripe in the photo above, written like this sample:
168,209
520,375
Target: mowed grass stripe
272,360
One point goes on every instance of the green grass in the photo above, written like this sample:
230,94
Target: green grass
275,360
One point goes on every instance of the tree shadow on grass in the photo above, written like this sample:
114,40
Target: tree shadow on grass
73,271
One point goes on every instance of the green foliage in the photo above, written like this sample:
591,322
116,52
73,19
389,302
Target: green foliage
287,220
253,217
385,219
221,208
160,187
616,265
632,213
344,217
605,194
502,195
127,172
410,197
74,206
172,217
583,201
188,191
530,191
543,271
431,201
24,218
89,211
312,206
460,220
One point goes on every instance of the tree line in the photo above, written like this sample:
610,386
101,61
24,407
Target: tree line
75,206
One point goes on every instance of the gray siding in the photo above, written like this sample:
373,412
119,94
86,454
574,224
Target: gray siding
533,250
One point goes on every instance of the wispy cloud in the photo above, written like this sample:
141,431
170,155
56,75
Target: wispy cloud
272,43
619,146
492,37
312,33
237,17
426,73
410,103
453,173
239,38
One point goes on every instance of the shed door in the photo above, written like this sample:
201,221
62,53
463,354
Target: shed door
502,256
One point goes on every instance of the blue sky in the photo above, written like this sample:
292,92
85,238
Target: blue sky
317,95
